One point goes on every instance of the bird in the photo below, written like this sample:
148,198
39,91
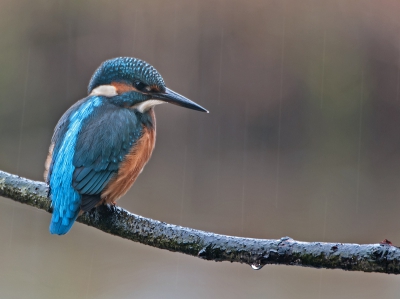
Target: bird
101,144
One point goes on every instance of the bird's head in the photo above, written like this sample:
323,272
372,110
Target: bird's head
131,82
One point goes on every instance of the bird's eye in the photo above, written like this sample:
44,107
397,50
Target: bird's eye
141,86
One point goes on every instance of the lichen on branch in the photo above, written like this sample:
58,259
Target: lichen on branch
382,257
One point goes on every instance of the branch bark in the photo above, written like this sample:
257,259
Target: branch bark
382,257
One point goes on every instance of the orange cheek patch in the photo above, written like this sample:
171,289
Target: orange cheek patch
122,87
155,88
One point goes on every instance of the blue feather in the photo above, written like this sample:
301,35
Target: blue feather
65,199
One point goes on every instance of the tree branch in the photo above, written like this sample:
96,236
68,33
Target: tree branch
383,257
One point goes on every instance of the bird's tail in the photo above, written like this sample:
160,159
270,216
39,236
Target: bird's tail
63,218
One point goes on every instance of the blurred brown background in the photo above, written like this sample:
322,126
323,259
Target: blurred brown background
302,140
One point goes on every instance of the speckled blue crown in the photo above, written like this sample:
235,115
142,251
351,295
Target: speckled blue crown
127,69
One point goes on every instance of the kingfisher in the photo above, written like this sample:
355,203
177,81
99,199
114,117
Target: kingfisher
102,142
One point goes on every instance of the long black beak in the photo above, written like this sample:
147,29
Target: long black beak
172,97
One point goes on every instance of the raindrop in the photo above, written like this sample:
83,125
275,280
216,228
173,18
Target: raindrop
256,266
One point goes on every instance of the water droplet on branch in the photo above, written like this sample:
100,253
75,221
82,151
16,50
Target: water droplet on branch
256,266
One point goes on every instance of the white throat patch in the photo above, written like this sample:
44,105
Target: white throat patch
146,105
104,90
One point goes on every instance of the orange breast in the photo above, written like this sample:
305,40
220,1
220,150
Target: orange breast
130,167
48,162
